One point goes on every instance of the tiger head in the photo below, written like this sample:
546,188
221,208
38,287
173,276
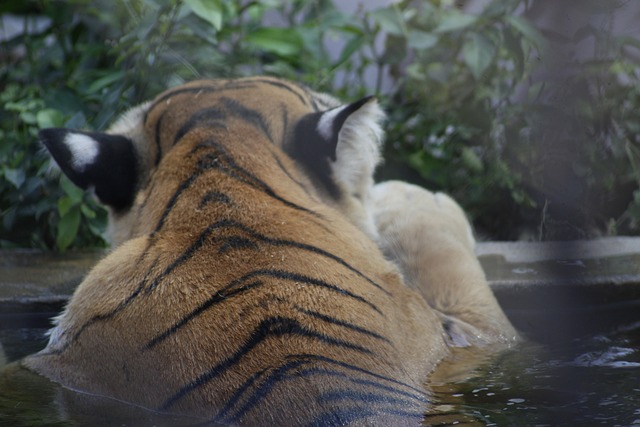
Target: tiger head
336,146
244,285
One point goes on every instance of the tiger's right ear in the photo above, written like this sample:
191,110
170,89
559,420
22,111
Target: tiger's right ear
103,162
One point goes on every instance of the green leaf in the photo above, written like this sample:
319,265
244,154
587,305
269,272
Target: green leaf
525,28
68,228
455,20
514,48
49,118
74,192
209,10
421,40
105,81
389,20
87,211
281,41
15,176
478,53
471,160
65,204
353,45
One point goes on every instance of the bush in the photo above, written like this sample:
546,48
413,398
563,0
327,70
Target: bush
471,112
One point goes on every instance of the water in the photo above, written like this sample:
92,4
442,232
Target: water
591,380
580,365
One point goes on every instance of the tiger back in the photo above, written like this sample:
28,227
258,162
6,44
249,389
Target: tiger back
244,287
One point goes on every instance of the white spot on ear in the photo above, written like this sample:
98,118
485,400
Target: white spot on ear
325,124
84,150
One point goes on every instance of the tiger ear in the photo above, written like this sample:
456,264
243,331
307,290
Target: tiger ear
331,122
103,162
349,136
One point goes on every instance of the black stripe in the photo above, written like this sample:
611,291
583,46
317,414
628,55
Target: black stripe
335,321
235,287
157,137
227,223
214,196
214,87
202,238
253,117
106,316
184,257
282,373
223,162
354,368
377,385
286,86
174,199
217,298
262,390
123,304
206,117
270,327
221,417
236,242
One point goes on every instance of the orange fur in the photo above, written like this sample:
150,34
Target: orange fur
241,290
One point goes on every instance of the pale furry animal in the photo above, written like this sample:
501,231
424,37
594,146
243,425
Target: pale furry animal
429,237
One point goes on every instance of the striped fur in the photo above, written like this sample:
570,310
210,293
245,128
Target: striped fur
245,286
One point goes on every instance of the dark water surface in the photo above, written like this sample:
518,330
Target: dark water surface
591,380
580,364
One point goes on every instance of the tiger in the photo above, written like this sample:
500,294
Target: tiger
247,281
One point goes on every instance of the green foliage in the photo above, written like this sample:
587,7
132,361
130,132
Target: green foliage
469,113
534,143
89,61
456,99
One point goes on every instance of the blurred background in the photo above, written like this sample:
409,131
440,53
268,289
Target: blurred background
526,111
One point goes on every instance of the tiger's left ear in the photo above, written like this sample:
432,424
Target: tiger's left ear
341,145
103,162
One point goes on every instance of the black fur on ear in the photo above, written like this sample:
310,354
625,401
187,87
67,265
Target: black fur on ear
316,139
107,163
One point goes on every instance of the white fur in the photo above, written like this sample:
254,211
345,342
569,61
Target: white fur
325,124
358,150
84,150
130,121
56,333
325,101
357,155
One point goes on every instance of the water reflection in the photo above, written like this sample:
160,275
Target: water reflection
594,380
591,381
